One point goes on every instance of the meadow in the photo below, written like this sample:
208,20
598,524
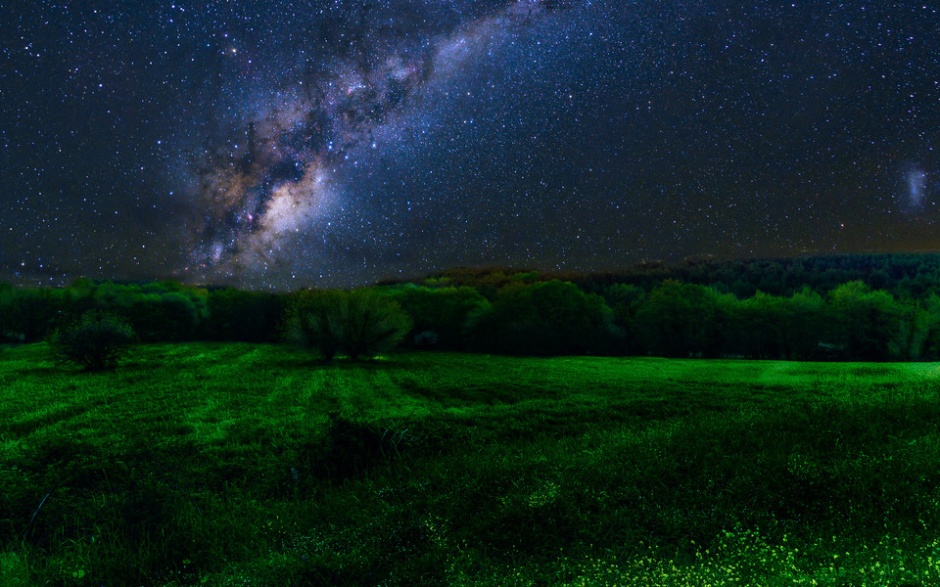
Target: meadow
227,464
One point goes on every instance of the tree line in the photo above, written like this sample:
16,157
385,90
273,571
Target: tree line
676,319
904,275
501,311
163,311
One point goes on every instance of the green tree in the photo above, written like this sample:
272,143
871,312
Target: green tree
547,318
314,321
758,329
248,316
867,324
439,315
29,315
159,311
170,316
682,319
359,323
625,301
370,324
802,324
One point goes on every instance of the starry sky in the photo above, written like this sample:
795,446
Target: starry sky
288,143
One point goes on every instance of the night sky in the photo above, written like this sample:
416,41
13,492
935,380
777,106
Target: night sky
289,143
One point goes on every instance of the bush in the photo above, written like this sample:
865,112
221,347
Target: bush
96,342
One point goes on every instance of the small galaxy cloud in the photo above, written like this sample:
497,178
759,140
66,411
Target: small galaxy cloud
915,192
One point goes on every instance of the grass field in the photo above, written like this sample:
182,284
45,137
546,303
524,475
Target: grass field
227,464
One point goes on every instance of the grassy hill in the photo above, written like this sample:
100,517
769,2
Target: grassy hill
230,464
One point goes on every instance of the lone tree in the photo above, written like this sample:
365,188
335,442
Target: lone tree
359,324
313,321
371,324
96,342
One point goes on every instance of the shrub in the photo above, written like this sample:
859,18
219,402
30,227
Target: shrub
96,342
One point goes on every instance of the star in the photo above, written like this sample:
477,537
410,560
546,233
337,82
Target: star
289,143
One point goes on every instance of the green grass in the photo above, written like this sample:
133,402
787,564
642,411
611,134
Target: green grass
228,464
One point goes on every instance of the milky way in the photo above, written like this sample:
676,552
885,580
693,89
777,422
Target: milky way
274,180
284,143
